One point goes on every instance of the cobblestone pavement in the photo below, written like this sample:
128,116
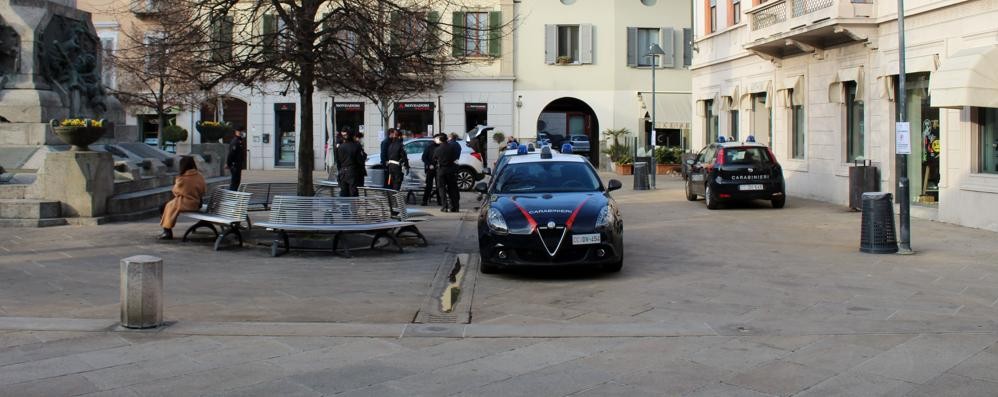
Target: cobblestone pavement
744,301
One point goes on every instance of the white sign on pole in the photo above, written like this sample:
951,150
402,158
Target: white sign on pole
902,132
381,135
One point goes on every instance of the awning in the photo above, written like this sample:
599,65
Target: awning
728,98
836,90
968,78
757,87
791,85
670,108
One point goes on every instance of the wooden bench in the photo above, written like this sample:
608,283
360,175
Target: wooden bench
336,215
226,209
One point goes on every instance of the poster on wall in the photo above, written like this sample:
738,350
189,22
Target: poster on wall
902,132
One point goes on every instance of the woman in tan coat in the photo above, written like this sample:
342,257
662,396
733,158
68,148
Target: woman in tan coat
188,189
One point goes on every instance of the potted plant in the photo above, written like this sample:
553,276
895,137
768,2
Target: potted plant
212,131
79,132
498,137
564,60
668,160
625,164
174,133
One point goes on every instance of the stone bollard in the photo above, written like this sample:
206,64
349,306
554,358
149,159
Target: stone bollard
141,292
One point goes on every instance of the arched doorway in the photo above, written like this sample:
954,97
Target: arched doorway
566,117
229,109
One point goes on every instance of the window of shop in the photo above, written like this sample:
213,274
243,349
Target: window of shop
855,134
348,116
799,128
762,119
926,143
285,144
734,124
988,140
475,114
414,119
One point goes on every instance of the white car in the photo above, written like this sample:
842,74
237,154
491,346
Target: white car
469,164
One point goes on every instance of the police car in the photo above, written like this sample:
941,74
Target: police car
725,171
549,209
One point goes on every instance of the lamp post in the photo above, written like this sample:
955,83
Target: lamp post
904,199
654,51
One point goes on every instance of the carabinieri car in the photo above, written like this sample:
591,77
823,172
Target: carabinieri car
550,209
736,171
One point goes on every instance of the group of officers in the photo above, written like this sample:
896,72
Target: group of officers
439,162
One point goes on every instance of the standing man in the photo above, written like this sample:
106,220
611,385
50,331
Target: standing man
430,166
236,159
447,155
389,136
397,159
350,160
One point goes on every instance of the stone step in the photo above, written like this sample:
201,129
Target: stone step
29,209
13,191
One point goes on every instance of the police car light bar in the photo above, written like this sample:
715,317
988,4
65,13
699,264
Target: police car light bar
521,150
546,152
566,148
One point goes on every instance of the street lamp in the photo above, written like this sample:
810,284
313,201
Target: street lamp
901,157
654,51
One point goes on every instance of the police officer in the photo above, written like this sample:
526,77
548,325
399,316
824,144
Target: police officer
350,158
396,160
430,166
236,159
446,159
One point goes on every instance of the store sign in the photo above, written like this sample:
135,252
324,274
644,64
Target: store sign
350,107
284,106
478,107
902,134
415,107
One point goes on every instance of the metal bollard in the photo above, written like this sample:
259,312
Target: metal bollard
141,292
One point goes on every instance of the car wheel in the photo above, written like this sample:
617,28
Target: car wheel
780,202
689,191
465,179
709,198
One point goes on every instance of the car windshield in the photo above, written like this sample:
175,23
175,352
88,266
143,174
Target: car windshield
746,156
547,177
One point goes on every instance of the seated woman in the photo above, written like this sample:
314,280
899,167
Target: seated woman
188,189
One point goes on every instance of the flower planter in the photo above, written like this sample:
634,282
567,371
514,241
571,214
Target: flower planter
625,169
668,169
79,137
212,133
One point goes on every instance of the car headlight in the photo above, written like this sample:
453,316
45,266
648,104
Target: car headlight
496,222
604,218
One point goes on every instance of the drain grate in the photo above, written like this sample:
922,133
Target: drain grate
455,278
446,318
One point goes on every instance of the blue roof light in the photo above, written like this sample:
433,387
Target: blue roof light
566,148
720,139
521,150
750,139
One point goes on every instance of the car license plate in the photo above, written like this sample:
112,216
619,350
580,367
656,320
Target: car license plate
583,239
750,187
696,178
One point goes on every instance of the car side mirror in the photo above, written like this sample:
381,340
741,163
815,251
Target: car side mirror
613,185
690,161
481,187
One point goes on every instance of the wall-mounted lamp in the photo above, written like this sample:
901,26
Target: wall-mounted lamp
519,101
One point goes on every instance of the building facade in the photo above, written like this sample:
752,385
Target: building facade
561,68
817,80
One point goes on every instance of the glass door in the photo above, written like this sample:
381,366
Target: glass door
285,144
926,145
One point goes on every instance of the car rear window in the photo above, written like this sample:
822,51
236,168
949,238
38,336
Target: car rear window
746,155
547,177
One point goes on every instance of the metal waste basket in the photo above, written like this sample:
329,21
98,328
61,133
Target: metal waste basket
863,177
376,177
877,235
641,176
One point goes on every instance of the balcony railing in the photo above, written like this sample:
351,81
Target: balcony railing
802,7
808,25
774,13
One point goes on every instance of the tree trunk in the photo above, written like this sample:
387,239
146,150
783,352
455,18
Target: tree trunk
161,113
306,157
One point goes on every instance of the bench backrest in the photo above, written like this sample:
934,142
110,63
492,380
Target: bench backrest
225,203
396,199
298,210
264,193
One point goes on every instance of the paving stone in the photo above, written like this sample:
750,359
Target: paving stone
122,392
249,350
558,380
671,377
279,387
780,377
982,366
41,369
350,377
736,355
614,389
69,385
446,381
143,371
719,389
336,356
926,356
854,383
955,386
830,354
148,351
16,338
211,381
57,348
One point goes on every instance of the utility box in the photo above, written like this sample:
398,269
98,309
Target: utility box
863,177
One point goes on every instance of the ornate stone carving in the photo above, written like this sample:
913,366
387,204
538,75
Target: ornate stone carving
70,55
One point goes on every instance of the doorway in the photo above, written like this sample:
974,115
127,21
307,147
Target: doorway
284,145
414,119
566,117
475,114
230,110
349,116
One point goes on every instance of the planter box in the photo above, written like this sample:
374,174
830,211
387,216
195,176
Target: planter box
625,169
668,169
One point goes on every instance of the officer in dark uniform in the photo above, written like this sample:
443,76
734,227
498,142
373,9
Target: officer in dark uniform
236,160
396,160
446,173
430,166
350,160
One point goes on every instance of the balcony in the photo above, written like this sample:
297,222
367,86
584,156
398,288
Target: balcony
783,28
144,8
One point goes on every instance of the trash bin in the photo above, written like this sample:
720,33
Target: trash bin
877,235
863,177
376,177
641,176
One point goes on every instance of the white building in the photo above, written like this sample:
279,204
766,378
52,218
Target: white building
818,81
604,83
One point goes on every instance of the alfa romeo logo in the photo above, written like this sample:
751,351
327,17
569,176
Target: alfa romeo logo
550,224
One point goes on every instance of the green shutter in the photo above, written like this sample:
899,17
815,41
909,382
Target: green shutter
434,30
394,28
457,43
495,34
228,23
269,36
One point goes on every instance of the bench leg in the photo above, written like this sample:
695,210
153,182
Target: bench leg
336,244
229,230
416,233
197,226
275,246
390,235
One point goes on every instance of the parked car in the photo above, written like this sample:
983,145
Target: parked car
549,209
580,143
469,164
735,171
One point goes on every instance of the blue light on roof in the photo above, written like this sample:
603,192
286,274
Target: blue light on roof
566,148
521,150
720,139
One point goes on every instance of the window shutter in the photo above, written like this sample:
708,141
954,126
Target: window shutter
458,38
269,36
668,41
687,47
228,23
495,34
550,43
394,41
586,43
632,47
434,30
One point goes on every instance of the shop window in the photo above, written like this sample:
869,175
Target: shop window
988,119
926,141
762,119
798,121
855,134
